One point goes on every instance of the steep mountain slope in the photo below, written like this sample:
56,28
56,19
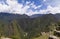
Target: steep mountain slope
25,27
36,15
57,16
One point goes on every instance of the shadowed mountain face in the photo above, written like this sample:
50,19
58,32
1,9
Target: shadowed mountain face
16,25
36,15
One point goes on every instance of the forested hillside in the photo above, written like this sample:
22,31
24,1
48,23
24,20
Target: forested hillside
26,27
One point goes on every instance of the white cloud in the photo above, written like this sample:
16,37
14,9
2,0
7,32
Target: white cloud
53,9
28,2
44,0
35,7
50,9
53,6
33,12
13,6
3,7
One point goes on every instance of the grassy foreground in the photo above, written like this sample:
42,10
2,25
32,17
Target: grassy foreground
45,36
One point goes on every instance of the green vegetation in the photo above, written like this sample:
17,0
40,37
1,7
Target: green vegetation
23,27
42,37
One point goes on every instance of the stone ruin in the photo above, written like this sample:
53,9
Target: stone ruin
56,34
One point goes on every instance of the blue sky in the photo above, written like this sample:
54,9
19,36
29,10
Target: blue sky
30,7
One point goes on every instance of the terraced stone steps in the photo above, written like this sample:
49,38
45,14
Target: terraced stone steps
56,34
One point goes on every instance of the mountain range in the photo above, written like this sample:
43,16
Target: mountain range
23,26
